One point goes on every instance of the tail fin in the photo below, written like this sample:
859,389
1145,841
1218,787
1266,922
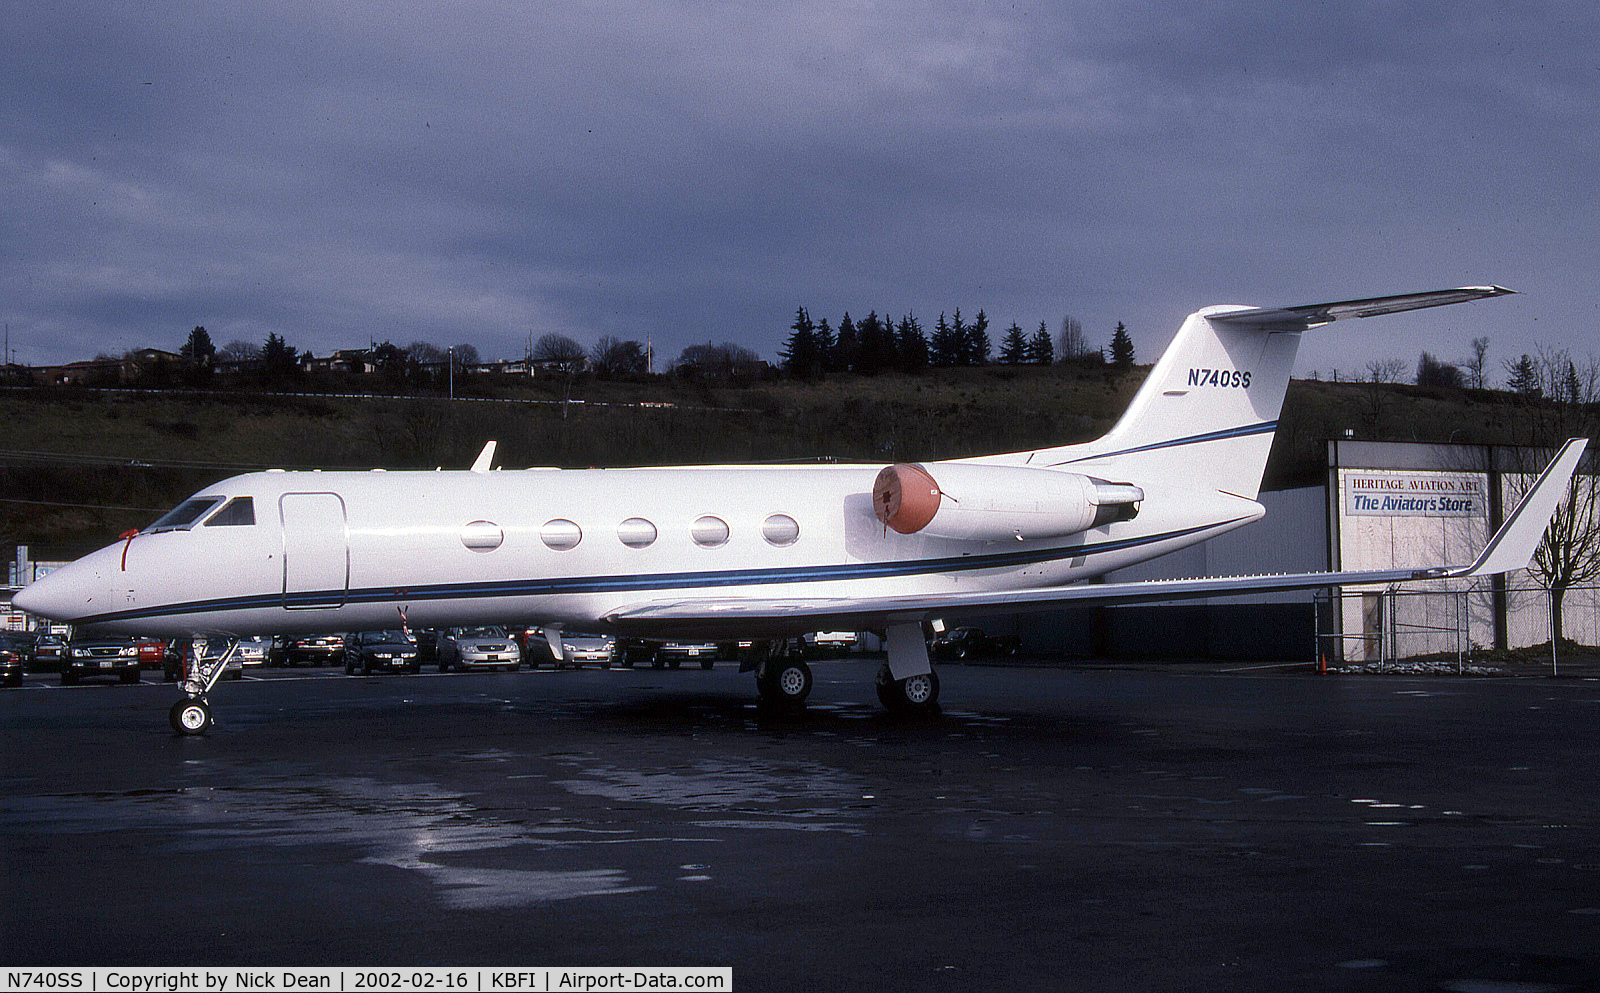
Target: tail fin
1209,410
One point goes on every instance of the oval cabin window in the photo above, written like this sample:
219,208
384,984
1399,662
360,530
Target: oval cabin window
709,532
780,529
636,532
561,535
482,536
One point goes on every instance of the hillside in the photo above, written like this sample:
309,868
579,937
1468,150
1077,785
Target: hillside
134,454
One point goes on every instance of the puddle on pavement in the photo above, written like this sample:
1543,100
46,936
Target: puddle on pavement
403,825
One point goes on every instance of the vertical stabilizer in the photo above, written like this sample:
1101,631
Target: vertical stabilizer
1209,410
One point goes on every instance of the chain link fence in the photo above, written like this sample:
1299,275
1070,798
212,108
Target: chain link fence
1479,629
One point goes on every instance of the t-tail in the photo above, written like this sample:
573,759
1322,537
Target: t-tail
1209,410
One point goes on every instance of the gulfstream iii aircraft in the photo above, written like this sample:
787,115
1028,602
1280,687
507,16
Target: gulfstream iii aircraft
752,551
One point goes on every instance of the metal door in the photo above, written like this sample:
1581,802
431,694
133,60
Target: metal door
316,550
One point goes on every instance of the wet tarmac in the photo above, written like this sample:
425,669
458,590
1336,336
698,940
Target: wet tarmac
1052,828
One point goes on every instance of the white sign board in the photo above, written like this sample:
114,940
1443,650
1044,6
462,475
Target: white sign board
1414,494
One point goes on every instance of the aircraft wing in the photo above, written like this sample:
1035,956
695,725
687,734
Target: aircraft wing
1312,315
1511,548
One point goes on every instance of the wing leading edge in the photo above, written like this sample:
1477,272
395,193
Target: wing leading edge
1511,548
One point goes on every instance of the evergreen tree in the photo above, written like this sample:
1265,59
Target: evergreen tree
942,349
912,344
1014,349
801,357
198,350
825,346
1121,347
1433,372
278,360
875,351
1524,377
1041,347
975,350
846,345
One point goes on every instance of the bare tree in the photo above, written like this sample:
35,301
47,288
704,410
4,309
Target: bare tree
614,357
240,351
1474,366
1074,346
560,353
424,353
710,361
1386,370
1378,393
1565,405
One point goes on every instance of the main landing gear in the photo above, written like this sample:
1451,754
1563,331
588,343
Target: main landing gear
784,681
917,694
906,683
192,714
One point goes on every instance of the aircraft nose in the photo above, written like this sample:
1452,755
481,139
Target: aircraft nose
56,596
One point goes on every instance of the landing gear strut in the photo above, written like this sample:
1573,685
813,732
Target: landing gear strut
192,714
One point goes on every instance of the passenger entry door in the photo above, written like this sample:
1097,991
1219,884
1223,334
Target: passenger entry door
316,550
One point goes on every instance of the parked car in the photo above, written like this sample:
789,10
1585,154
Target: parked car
972,643
180,656
477,648
84,657
152,652
253,651
13,658
673,654
828,642
368,651
427,643
47,652
316,649
579,648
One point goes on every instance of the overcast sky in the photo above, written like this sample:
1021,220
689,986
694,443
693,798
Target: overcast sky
340,173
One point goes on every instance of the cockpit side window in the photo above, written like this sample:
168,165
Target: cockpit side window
240,510
183,516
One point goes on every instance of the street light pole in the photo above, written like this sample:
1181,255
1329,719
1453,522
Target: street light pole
451,351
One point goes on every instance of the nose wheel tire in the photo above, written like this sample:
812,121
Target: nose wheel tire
784,682
190,716
912,695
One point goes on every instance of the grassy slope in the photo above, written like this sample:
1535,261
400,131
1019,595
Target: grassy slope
943,414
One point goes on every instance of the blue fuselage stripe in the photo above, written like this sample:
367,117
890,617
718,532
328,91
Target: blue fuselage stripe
648,583
1264,427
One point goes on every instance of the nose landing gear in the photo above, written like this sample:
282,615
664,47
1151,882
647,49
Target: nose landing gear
192,714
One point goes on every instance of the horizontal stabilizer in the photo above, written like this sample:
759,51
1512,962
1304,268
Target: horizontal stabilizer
1312,315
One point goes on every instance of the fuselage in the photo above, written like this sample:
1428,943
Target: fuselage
343,551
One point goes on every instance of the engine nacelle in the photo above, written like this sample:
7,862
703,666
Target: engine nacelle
981,502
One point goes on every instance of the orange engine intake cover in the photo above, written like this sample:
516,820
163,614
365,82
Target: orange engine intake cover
905,497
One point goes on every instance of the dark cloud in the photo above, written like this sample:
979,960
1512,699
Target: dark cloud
338,173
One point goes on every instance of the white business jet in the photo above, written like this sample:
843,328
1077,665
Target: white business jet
752,551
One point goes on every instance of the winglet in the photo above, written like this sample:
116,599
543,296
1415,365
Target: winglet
485,458
1513,545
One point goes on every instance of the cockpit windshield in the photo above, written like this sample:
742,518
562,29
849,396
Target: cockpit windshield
239,511
183,516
